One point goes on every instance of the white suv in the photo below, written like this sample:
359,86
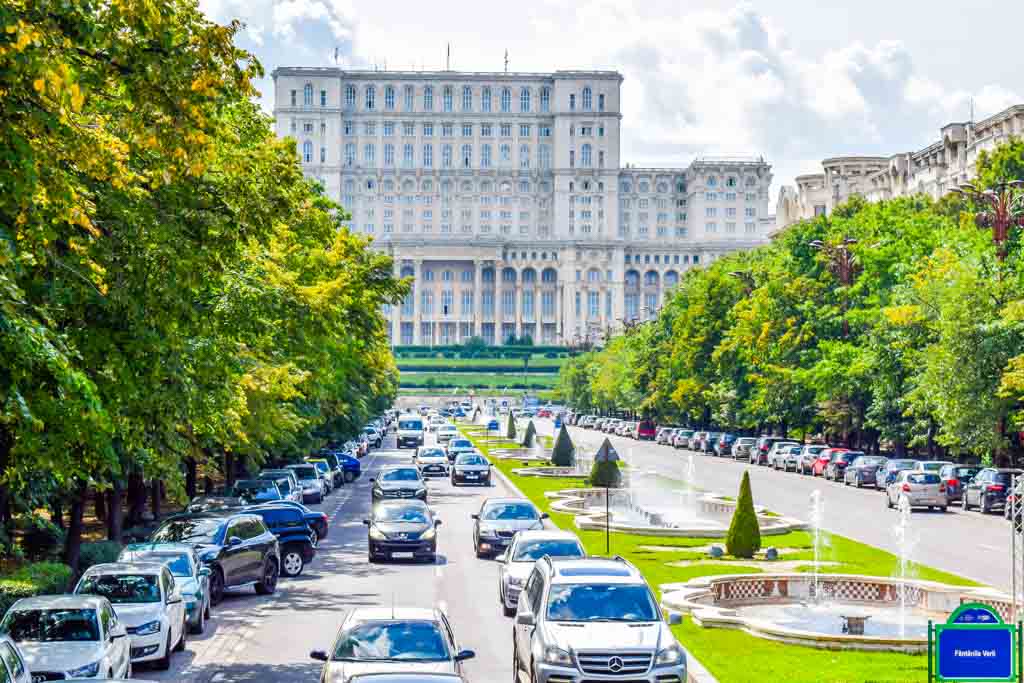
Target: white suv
556,637
410,431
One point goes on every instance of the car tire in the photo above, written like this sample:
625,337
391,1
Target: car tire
206,611
164,663
963,502
888,501
314,538
350,477
268,582
180,647
943,508
200,625
984,506
292,562
216,586
506,610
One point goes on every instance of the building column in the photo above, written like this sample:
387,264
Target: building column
417,316
478,298
519,303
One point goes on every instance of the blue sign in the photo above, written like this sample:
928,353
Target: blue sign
492,426
531,403
975,654
975,614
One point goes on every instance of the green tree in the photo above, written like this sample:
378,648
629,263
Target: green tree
564,452
530,436
510,431
744,536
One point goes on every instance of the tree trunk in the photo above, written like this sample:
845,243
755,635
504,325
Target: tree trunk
191,473
100,506
115,513
157,498
229,470
73,539
57,513
136,499
207,485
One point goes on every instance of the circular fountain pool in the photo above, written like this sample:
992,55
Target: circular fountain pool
833,619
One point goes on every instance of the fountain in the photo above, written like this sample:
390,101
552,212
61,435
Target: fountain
904,542
817,519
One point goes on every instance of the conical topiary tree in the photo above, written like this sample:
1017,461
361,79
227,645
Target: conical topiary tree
605,474
530,436
511,433
744,537
564,452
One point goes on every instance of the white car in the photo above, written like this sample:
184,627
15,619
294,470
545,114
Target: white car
69,636
431,461
13,662
394,640
777,455
515,564
147,602
435,422
446,433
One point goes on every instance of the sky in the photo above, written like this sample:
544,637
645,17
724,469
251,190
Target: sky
790,80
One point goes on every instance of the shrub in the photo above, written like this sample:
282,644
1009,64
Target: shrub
606,474
41,539
744,537
510,434
40,578
98,553
530,436
564,453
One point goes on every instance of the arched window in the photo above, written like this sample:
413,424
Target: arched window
350,97
545,100
751,181
651,278
549,275
467,156
730,181
662,188
466,187
645,186
524,100
671,278
485,98
632,278
529,275
407,271
506,100
508,275
408,186
428,98
371,96
593,275
680,186
446,98
467,98
389,98
588,99
625,186
428,186
712,181
585,156
307,152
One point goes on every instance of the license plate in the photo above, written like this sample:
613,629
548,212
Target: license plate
402,556
471,476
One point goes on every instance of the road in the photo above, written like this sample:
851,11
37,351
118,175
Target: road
969,544
269,639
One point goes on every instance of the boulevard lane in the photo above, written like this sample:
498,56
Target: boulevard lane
965,543
269,640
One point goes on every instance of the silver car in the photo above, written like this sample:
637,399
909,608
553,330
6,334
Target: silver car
741,447
515,564
917,489
778,454
13,661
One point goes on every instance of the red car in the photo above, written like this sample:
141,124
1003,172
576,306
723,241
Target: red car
823,459
646,429
543,412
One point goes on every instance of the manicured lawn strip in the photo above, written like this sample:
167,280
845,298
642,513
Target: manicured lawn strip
482,363
477,379
734,656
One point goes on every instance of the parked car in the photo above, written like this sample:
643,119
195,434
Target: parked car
69,636
311,482
13,668
956,477
516,563
287,483
327,473
919,489
317,521
372,640
840,461
778,453
256,491
931,465
499,519
988,489
431,460
808,454
681,438
294,536
742,446
892,469
190,575
759,454
824,458
147,601
723,444
374,436
645,430
664,434
698,440
236,546
398,481
863,470
337,471
402,530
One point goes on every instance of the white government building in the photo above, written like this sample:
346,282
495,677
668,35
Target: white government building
504,196
934,170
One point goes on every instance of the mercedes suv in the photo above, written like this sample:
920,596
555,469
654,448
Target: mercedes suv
552,644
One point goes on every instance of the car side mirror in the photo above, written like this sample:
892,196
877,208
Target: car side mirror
544,515
464,655
474,516
234,540
524,618
366,522
204,571
675,618
174,598
318,655
502,558
437,522
118,631
373,479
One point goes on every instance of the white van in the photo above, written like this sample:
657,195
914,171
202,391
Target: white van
410,430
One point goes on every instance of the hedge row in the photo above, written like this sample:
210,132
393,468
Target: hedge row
485,352
512,369
39,578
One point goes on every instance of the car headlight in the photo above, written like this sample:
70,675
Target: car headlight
428,535
486,532
376,534
148,628
87,671
557,656
670,656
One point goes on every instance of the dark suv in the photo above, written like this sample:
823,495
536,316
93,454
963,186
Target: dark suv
988,489
236,546
293,534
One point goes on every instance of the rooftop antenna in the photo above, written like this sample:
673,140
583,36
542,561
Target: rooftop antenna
448,59
335,56
506,60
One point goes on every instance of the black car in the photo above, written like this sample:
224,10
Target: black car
317,521
293,534
988,489
956,477
840,461
863,470
402,529
236,546
471,468
499,520
399,481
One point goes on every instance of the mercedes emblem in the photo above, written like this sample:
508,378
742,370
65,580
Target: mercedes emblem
615,665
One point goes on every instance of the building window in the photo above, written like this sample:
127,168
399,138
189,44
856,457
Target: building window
524,130
389,98
508,302
323,98
446,98
710,212
467,156
506,130
446,156
369,154
572,102
600,107
579,304
428,156
545,156
294,96
485,156
307,94
446,130
600,159
408,129
506,100
711,227
410,97
485,130
585,156
307,152
750,212
467,130
467,303
428,98
371,95
505,155
527,303
428,130
389,155
524,100
524,157
350,97
485,99
572,159
389,129
588,99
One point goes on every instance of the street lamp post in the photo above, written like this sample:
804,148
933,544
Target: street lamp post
842,263
1005,209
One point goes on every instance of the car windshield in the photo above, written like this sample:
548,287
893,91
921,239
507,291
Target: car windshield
393,513
51,625
509,511
599,602
871,460
923,478
415,641
252,488
470,459
932,466
461,443
404,474
188,531
531,551
1003,478
966,472
122,589
432,453
410,424
895,465
178,563
305,472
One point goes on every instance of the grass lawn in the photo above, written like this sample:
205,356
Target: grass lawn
734,656
482,363
473,380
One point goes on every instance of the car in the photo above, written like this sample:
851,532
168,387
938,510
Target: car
214,502
446,433
471,468
373,436
326,472
334,464
398,481
562,600
401,529
147,601
863,470
663,434
824,458
407,678
759,454
431,460
543,412
956,477
294,536
237,547
317,521
287,483
459,445
410,431
312,482
931,465
351,468
681,439
69,636
392,640
434,422
808,454
251,491
777,453
839,462
645,430
190,574
742,446
722,446
515,564
13,668
892,469
790,458
988,489
917,489
498,521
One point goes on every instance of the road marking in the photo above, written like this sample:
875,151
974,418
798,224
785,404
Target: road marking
990,547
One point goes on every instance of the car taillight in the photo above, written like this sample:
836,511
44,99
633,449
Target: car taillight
906,488
952,482
995,487
942,487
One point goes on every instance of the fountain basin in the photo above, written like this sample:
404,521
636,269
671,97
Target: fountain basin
783,607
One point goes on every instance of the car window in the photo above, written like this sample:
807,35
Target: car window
188,531
121,589
235,530
413,425
470,459
256,528
1002,478
534,590
923,478
601,602
508,511
51,625
178,563
403,474
394,513
531,551
416,641
11,660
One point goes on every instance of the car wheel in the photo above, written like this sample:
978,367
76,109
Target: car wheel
888,501
319,499
963,502
200,624
216,586
984,505
943,508
164,663
206,611
314,538
350,477
292,563
268,584
180,647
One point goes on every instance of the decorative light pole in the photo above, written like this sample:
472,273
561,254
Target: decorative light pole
1005,209
842,263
